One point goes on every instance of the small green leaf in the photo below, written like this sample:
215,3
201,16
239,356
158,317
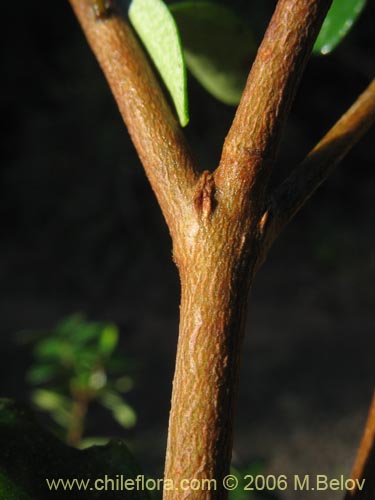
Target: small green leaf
108,340
125,415
219,47
93,441
158,31
55,349
49,400
78,330
121,411
340,18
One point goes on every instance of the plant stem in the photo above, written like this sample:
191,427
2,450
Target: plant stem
77,421
364,465
216,272
250,147
216,220
304,180
154,129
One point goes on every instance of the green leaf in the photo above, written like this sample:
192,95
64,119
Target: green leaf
29,455
158,31
125,415
50,400
219,47
108,340
93,441
77,330
55,348
340,18
68,326
121,411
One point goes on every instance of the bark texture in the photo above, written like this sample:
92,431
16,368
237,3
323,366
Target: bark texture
221,223
154,130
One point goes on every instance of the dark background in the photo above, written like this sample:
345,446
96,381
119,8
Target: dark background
81,231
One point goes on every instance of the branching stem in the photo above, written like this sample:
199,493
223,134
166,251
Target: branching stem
304,180
153,127
219,227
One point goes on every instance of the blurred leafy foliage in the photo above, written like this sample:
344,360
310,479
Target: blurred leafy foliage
256,467
218,44
30,455
74,365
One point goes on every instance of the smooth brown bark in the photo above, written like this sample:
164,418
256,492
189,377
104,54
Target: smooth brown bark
217,220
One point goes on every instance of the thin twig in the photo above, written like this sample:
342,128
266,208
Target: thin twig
293,193
153,127
250,147
364,465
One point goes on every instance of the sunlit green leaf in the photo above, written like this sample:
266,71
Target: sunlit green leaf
49,400
108,339
93,441
121,411
219,47
111,399
157,29
340,18
125,415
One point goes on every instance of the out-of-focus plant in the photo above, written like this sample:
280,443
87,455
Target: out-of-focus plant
254,483
74,365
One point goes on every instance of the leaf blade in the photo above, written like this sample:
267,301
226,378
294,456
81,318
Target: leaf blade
157,29
338,22
218,46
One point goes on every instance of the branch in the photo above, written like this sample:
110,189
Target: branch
364,465
293,193
251,145
153,128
